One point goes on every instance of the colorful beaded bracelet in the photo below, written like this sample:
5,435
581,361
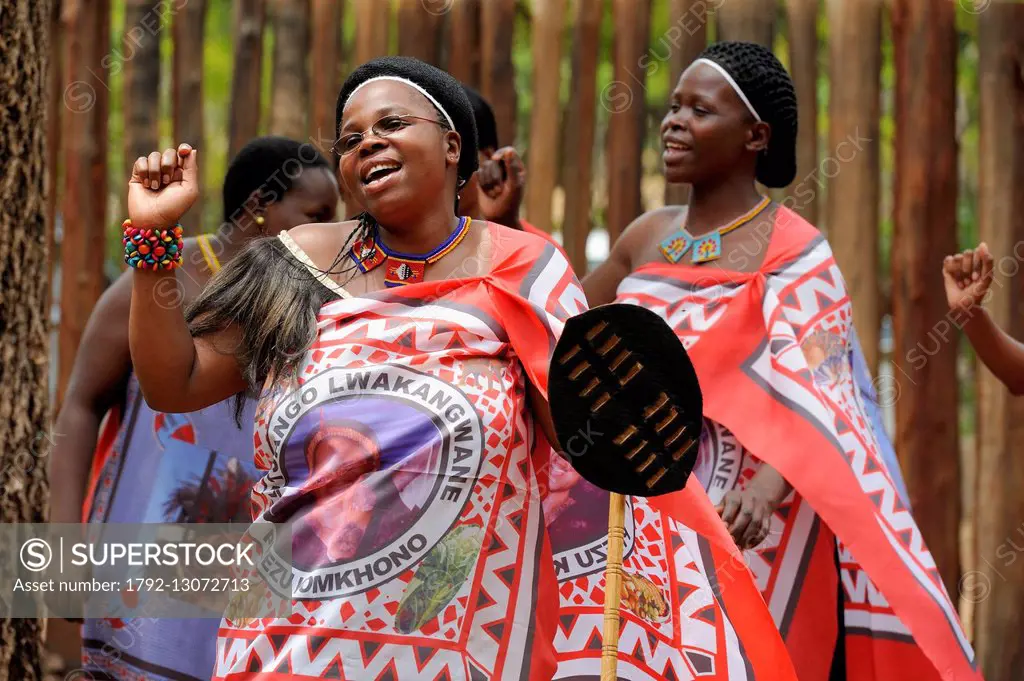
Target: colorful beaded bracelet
152,249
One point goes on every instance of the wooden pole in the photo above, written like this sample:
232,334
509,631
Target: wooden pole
625,99
373,24
580,126
548,25
497,70
851,166
802,16
54,115
86,28
140,52
250,18
925,46
420,28
464,53
289,100
687,36
325,71
613,588
749,20
188,30
997,588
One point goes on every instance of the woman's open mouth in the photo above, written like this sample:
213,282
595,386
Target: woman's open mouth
380,175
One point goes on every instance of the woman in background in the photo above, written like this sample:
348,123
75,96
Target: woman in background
153,467
789,454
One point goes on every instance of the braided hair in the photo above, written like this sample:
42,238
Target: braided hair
767,86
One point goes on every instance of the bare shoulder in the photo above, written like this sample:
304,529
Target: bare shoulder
323,241
649,227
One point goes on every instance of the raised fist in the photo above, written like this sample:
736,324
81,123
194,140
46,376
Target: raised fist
163,187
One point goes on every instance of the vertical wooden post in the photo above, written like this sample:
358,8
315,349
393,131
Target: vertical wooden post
373,29
803,66
464,53
580,125
925,45
140,54
289,100
246,81
687,36
548,24
86,28
54,114
851,166
189,33
497,71
749,20
325,71
626,99
420,27
998,591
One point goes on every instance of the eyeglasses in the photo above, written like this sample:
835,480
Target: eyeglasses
386,126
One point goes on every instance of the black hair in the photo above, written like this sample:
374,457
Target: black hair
270,165
765,82
486,125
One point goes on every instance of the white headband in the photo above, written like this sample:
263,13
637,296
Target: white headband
411,84
728,79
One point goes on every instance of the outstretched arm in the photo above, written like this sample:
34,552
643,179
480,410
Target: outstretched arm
967,277
177,373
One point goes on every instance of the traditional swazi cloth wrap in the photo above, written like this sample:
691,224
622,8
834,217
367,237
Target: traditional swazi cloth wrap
772,352
403,456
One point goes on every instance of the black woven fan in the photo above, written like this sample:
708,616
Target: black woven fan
625,401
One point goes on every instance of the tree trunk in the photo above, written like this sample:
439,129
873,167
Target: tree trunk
290,91
999,598
24,290
749,20
86,29
625,99
497,70
464,53
851,167
325,71
250,17
803,66
687,36
373,24
580,126
420,27
188,31
548,24
925,46
140,104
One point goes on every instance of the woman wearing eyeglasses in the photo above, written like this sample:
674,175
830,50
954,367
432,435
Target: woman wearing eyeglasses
400,364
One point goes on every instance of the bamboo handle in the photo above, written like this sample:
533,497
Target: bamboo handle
613,588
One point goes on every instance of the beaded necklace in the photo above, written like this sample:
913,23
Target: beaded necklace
706,247
403,268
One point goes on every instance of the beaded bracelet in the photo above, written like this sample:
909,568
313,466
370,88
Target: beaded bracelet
152,249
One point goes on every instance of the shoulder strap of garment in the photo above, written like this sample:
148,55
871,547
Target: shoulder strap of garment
208,255
318,274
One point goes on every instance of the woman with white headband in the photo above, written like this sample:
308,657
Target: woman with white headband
400,362
790,455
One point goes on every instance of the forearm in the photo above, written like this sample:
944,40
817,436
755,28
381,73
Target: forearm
772,485
162,348
997,350
75,435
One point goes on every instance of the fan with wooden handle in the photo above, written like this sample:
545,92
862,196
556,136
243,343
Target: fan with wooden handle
619,370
